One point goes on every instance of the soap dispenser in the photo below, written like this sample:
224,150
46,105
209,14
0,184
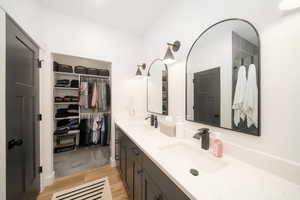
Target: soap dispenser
155,122
218,146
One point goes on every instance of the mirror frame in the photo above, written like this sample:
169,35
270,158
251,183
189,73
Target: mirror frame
166,66
258,77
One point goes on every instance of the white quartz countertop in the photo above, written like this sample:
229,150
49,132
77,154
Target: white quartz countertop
236,181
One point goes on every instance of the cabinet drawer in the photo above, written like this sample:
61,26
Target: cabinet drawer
169,189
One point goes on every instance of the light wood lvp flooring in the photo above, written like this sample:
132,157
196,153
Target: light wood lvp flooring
116,184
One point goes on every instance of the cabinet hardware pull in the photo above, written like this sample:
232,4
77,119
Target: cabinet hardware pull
135,151
140,171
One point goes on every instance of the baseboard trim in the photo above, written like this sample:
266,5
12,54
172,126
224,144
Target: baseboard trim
48,180
113,162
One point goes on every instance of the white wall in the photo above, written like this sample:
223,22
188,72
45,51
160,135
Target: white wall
73,36
280,43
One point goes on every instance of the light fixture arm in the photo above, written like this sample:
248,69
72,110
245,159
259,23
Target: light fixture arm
175,46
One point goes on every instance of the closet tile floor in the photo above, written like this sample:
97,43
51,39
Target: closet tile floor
84,158
116,184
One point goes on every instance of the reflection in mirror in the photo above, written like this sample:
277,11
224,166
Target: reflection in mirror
223,79
157,87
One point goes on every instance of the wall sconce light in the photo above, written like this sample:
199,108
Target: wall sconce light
139,71
289,4
169,56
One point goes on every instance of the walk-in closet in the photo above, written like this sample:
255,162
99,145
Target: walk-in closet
82,113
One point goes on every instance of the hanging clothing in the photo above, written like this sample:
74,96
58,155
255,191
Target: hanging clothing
94,102
250,105
84,95
107,95
96,127
239,96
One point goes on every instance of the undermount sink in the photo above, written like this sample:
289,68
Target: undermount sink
190,156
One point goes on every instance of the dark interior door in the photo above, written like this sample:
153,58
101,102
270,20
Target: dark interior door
22,107
207,97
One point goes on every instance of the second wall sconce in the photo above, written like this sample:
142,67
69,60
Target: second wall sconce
169,56
139,71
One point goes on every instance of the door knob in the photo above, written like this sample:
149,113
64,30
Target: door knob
12,143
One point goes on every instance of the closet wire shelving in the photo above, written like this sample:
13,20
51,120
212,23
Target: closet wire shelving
82,115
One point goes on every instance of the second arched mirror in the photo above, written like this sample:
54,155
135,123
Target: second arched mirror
157,87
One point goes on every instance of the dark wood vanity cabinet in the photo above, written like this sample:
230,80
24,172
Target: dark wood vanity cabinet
142,178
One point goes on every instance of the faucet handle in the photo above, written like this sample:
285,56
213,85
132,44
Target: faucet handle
203,130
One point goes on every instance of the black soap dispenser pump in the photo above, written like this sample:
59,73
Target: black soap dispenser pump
152,120
155,122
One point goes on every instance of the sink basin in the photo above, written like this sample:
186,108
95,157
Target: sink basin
190,156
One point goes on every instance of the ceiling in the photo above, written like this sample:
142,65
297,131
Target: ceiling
133,16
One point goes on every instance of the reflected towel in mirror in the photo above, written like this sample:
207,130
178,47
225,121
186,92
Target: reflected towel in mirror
239,96
250,106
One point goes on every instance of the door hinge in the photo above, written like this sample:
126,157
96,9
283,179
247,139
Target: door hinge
40,63
40,117
41,169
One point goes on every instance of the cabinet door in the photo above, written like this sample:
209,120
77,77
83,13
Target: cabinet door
150,190
130,173
138,175
123,162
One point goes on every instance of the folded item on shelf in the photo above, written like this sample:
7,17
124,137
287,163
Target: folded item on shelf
92,71
73,107
74,131
103,72
73,122
62,110
63,81
73,127
80,69
74,84
58,99
65,112
62,122
71,99
61,131
68,114
62,68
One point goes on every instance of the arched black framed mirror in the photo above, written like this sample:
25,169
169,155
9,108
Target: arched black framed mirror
223,77
157,87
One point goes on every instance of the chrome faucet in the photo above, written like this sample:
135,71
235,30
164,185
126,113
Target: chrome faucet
151,117
203,134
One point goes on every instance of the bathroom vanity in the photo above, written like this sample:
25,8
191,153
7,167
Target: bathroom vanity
141,177
154,166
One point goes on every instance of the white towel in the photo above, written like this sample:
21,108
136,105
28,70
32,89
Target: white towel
250,106
239,96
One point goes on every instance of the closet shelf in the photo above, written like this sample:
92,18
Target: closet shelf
82,112
65,88
73,117
66,73
65,145
65,103
66,134
82,75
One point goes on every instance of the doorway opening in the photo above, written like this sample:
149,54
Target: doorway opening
82,114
